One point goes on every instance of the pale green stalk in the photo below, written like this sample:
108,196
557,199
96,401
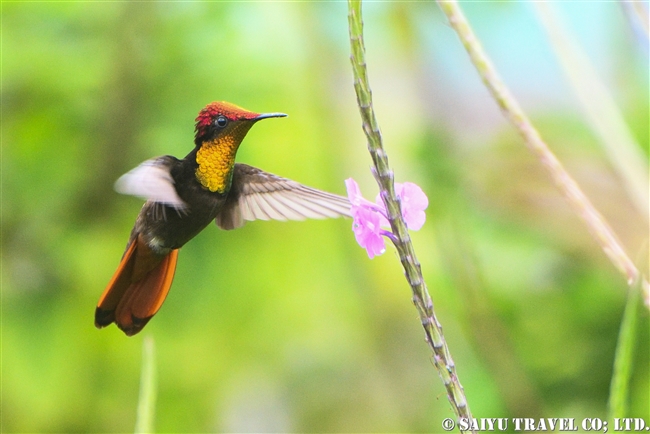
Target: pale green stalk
595,222
637,11
147,399
619,389
384,176
598,105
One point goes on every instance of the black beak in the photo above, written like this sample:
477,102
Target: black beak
269,115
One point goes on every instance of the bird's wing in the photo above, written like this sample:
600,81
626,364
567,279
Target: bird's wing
153,181
258,195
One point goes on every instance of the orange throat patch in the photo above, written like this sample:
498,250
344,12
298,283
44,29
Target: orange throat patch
216,160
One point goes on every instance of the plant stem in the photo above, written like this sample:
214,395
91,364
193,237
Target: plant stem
601,111
384,176
147,400
619,389
637,16
594,221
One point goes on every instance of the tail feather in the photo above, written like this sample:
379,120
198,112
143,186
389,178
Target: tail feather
105,312
143,298
138,288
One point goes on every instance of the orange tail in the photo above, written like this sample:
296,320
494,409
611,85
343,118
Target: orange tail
138,288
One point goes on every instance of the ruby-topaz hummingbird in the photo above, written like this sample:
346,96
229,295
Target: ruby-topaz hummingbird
184,196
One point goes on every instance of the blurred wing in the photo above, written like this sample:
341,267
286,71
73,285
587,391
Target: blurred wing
152,180
258,195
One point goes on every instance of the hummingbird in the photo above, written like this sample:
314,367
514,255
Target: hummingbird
184,196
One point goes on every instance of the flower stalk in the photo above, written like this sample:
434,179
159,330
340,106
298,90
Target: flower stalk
147,400
385,179
580,203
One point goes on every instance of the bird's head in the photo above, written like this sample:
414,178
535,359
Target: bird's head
223,119
220,129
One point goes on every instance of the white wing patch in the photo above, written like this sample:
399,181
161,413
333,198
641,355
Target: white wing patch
152,181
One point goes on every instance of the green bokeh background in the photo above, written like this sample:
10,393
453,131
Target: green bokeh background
288,326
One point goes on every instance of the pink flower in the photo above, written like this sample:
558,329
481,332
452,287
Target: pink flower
370,217
414,202
366,222
368,232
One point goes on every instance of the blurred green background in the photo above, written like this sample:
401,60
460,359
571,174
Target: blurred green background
289,326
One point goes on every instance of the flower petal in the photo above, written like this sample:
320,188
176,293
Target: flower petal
414,195
367,231
354,193
414,202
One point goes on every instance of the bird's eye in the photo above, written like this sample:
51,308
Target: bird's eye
221,121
